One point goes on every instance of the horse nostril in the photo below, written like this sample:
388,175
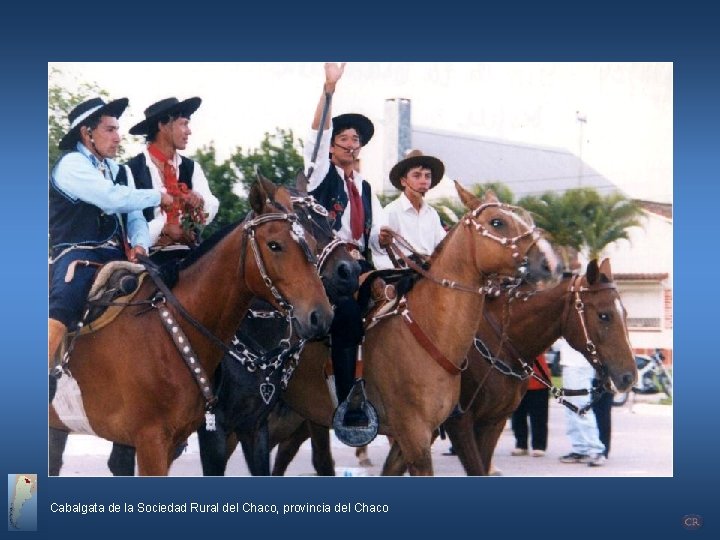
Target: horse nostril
314,319
343,270
628,379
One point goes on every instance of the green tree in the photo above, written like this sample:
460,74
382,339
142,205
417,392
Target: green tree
583,220
277,158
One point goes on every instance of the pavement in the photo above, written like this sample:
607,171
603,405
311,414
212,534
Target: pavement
642,446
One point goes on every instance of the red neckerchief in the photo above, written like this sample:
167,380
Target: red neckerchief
172,186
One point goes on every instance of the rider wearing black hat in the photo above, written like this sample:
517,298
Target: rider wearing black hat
95,214
337,183
166,128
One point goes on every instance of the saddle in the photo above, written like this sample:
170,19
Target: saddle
115,285
381,290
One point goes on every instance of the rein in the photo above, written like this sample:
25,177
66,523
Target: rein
574,290
402,308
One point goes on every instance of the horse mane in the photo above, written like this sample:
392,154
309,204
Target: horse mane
439,248
207,245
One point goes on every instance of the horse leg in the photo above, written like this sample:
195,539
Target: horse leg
122,460
361,453
57,439
257,451
460,431
486,439
394,462
213,450
288,448
321,454
154,451
415,440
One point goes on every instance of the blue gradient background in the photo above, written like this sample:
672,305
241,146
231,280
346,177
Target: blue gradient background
563,507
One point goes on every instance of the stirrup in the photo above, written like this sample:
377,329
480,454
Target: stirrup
356,435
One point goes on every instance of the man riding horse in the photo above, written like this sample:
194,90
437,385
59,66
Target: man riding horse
94,215
357,214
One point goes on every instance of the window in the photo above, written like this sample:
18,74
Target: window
644,304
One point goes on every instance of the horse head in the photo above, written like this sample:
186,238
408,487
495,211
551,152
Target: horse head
600,331
281,267
338,268
507,242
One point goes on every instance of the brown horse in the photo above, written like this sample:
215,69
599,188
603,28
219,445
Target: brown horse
488,394
585,310
414,386
136,389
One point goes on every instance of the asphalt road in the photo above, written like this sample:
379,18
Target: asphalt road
642,443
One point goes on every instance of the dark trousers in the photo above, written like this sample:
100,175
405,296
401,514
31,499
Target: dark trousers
67,300
535,405
603,415
346,334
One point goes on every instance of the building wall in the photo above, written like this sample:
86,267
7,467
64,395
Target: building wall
649,251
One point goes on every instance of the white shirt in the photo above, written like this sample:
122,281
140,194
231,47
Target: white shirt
421,228
569,356
199,185
322,166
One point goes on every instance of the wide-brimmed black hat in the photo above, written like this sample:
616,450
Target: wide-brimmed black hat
362,125
86,111
165,107
415,158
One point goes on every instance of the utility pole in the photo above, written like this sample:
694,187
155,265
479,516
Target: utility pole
582,120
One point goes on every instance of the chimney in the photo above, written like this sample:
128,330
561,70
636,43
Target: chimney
398,136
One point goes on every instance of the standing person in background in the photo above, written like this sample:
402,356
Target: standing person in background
577,374
159,166
602,408
357,217
535,405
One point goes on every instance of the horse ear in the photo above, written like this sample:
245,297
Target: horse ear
468,199
490,197
592,272
606,271
261,193
301,183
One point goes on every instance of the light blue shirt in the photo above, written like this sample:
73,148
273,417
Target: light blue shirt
78,177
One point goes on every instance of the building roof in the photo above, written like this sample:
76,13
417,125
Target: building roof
526,169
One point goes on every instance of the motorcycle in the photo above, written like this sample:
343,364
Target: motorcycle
653,378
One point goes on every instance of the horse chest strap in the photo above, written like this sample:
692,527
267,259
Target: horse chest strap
428,345
191,361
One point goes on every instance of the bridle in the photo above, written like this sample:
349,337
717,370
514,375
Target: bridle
297,232
402,308
574,291
308,202
469,220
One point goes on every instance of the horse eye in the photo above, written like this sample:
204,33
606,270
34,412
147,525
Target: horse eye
604,317
496,222
274,246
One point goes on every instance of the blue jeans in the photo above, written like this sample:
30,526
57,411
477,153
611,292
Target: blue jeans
581,430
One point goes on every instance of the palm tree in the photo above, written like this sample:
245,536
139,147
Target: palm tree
583,220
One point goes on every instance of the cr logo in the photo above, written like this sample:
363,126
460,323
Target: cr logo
692,521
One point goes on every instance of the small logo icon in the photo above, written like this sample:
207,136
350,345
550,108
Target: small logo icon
692,522
22,502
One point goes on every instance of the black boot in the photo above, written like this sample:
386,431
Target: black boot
343,360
